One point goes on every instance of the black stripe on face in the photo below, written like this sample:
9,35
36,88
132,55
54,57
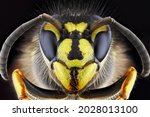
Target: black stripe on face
75,52
74,80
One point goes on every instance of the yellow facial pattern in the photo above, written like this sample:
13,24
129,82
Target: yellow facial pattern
63,72
85,48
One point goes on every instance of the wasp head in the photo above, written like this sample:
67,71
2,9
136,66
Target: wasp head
74,52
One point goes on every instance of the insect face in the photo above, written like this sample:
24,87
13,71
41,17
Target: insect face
72,52
85,58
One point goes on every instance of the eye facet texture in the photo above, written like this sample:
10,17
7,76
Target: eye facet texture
48,44
102,44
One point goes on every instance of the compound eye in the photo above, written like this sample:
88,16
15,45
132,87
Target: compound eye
102,44
49,36
48,44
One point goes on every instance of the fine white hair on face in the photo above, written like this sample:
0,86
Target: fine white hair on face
34,67
115,64
31,61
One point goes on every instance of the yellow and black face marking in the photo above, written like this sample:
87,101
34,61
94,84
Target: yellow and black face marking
74,65
83,58
75,50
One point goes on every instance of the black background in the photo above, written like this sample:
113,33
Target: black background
134,14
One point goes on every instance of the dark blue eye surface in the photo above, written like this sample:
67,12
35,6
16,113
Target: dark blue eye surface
48,44
101,44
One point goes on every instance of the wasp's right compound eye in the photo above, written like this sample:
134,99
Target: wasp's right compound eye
48,44
49,35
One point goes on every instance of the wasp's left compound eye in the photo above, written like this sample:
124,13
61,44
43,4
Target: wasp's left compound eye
102,39
102,44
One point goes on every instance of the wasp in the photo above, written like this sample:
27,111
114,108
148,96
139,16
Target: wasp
74,57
